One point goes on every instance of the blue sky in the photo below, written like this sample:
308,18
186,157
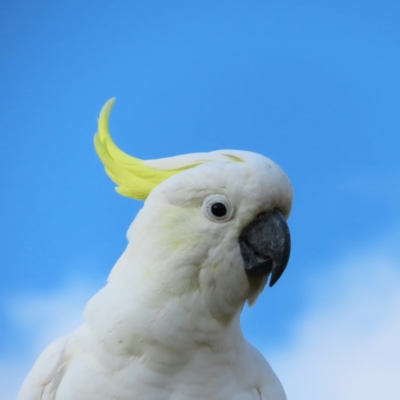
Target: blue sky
314,85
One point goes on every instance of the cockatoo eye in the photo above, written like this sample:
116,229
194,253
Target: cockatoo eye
217,208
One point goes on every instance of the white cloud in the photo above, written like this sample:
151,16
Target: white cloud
46,317
49,316
347,345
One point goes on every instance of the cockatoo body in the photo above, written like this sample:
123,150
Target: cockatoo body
167,324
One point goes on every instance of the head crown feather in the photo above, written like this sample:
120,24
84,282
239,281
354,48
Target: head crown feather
136,178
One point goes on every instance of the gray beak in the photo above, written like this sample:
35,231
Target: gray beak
265,246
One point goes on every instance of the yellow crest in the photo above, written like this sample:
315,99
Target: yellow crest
134,178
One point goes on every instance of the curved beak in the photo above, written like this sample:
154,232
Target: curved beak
265,246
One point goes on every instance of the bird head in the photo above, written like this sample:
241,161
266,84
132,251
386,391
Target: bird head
212,223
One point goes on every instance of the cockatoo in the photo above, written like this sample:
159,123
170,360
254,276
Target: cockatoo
167,324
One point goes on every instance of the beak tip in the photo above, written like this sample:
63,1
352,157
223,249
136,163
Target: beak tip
274,278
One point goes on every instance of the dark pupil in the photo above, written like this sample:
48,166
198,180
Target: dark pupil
218,209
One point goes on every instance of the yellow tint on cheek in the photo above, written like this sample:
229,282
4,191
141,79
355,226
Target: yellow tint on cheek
178,228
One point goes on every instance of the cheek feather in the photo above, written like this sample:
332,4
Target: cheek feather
178,229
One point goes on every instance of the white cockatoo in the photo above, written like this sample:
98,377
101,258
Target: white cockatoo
167,324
